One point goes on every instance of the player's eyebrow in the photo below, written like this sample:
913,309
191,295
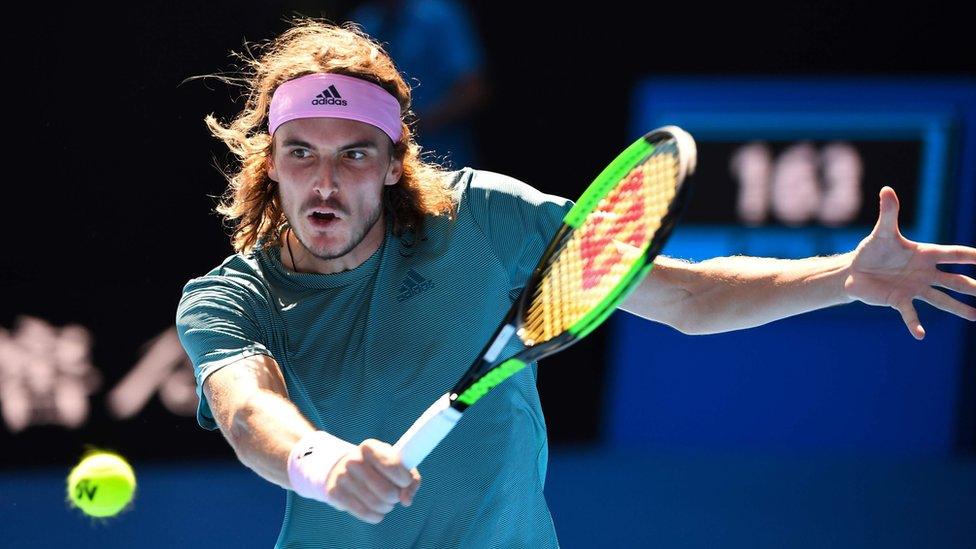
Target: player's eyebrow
361,144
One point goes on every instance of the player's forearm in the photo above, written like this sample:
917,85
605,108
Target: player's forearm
734,293
263,432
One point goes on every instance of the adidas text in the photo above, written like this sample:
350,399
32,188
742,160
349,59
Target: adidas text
330,101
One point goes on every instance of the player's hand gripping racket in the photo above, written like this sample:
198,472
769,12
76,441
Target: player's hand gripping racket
605,247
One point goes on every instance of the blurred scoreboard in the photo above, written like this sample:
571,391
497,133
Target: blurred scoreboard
792,167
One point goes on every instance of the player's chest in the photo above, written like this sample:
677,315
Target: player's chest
410,312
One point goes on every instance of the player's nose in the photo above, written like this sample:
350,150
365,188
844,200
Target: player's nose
324,179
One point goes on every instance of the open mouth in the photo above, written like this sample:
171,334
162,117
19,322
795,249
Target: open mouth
320,219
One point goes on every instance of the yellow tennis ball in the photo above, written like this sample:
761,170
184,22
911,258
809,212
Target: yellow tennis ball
102,484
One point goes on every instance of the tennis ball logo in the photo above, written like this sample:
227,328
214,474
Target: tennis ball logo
101,485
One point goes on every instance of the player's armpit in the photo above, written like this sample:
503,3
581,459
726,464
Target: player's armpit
230,388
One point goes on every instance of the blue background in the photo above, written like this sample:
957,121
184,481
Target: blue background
598,498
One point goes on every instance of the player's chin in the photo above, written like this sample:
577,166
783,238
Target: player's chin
332,235
329,246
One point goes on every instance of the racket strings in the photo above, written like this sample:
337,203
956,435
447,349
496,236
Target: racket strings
599,254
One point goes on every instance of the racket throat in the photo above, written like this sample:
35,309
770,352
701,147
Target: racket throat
489,355
478,389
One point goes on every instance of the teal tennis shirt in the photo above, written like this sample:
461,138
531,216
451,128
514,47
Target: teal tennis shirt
364,352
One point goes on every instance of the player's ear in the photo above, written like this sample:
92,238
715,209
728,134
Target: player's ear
272,171
394,172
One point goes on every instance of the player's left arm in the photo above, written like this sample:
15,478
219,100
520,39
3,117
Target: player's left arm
732,293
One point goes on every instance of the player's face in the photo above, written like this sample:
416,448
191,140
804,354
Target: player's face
338,167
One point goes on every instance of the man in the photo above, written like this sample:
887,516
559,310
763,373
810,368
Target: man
366,281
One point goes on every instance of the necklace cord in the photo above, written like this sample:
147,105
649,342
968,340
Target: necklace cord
288,243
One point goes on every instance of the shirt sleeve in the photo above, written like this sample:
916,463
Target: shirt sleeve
518,220
216,326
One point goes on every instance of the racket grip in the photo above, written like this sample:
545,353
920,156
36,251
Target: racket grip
427,432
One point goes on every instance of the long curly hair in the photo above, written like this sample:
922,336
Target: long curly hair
251,204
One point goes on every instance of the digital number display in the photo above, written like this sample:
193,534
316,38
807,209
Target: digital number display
802,183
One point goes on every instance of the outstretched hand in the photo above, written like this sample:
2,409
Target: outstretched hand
889,270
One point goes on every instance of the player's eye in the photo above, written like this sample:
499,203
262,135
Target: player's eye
356,155
299,153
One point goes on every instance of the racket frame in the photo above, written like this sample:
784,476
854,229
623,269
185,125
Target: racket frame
440,418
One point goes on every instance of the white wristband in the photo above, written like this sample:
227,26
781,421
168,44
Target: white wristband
310,462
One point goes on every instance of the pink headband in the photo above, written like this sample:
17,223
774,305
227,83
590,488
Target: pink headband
329,95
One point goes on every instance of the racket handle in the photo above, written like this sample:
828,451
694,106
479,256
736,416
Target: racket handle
427,432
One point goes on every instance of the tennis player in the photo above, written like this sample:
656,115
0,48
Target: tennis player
366,279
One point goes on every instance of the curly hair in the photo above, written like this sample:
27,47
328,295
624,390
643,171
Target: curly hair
251,204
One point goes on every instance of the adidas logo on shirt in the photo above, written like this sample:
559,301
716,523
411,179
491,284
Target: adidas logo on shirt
412,285
329,96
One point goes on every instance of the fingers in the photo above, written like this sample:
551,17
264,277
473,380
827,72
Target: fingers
349,502
910,317
375,503
370,482
379,487
956,254
407,494
385,460
956,282
943,301
888,212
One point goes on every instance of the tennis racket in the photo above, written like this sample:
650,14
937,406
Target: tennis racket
604,248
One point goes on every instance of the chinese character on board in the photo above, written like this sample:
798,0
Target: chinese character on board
163,367
46,374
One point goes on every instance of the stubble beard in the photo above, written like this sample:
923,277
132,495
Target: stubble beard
354,241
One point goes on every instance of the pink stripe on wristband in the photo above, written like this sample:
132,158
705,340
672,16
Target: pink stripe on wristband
310,462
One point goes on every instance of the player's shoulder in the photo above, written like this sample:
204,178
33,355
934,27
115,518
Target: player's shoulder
484,187
470,181
240,274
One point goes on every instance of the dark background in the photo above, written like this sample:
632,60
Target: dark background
109,200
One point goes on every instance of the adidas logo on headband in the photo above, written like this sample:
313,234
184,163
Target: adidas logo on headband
329,96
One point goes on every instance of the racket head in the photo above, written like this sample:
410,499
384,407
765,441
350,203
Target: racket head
604,248
608,240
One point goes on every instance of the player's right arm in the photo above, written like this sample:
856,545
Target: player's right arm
250,404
